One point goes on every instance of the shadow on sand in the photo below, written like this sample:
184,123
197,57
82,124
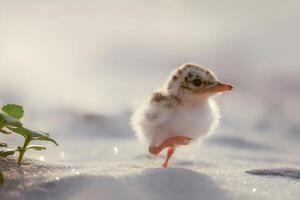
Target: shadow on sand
279,172
165,184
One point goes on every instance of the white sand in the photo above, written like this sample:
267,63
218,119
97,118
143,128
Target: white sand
216,170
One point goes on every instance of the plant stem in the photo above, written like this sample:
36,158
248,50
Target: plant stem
22,151
1,178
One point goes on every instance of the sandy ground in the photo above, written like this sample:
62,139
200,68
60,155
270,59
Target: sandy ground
215,172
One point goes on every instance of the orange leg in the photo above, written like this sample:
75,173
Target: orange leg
169,143
170,152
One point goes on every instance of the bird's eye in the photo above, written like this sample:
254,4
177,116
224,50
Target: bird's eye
190,76
197,82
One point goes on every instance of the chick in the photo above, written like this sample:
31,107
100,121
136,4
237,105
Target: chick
180,112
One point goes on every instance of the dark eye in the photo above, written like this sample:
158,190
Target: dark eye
190,75
197,82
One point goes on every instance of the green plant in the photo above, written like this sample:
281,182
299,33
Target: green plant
1,178
29,136
10,116
7,152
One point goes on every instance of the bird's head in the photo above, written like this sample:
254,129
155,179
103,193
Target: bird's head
194,79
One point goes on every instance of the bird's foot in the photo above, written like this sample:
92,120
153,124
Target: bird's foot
165,165
170,143
154,150
177,140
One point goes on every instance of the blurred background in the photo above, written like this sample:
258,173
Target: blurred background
81,67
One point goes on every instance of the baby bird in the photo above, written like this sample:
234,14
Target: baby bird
181,111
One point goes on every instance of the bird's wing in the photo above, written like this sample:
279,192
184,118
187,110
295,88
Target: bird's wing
159,109
155,112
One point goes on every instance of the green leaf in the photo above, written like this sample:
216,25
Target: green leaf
2,144
13,110
1,178
5,131
33,135
21,131
7,152
46,138
36,147
5,119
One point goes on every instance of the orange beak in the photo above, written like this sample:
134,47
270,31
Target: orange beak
220,87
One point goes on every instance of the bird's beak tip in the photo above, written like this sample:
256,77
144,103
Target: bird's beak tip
224,87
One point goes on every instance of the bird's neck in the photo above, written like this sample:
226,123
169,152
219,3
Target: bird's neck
195,100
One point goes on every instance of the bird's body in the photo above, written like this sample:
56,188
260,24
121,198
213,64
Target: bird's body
181,111
160,120
193,120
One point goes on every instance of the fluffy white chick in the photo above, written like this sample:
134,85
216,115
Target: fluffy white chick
181,111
